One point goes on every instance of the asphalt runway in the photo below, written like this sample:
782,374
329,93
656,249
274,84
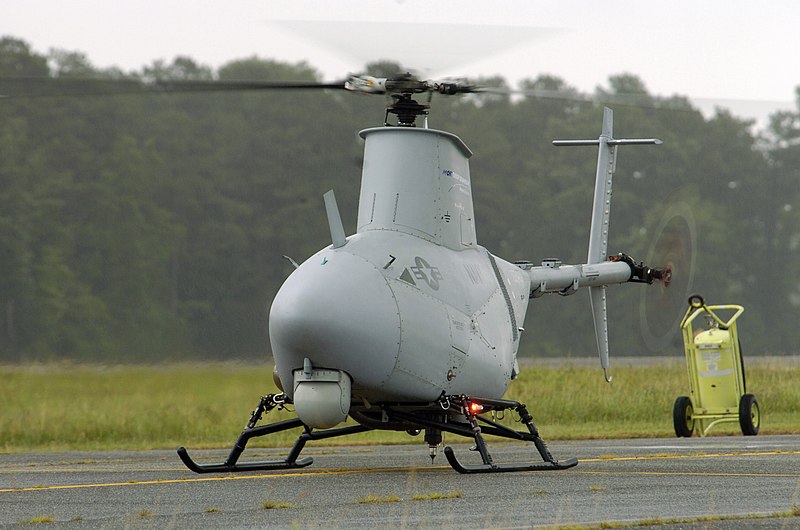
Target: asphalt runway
727,479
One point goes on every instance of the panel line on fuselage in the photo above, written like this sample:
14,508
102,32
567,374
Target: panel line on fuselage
504,290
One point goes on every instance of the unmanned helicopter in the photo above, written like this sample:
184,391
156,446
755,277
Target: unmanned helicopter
408,324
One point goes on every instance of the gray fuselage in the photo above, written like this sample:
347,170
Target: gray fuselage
410,307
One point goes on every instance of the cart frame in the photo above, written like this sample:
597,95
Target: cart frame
690,413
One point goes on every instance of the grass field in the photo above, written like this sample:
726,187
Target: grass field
76,407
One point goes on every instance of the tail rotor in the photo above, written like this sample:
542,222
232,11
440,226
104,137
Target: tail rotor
674,246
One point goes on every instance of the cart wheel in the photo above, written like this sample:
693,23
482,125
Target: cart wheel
749,415
682,414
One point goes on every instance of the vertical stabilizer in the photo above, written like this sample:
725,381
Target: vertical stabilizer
597,296
601,209
601,216
598,233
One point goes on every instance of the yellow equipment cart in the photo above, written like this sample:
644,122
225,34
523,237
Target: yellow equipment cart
716,374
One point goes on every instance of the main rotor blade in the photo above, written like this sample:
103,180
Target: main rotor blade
37,87
32,87
625,100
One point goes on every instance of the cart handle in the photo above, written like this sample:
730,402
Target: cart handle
697,303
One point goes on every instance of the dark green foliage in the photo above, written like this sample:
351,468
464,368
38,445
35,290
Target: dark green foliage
140,227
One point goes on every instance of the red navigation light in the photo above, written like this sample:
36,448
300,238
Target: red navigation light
475,408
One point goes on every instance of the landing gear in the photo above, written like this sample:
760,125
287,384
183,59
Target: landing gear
472,408
458,415
464,415
291,461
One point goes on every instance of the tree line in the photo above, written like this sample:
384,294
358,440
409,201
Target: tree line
138,227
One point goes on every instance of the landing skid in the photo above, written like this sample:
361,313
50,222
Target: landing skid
454,414
495,468
291,461
230,464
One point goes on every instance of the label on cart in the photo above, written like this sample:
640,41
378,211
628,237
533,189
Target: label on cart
712,361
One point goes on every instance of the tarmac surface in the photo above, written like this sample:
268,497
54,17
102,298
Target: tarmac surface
717,482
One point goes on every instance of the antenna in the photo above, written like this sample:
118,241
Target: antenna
334,220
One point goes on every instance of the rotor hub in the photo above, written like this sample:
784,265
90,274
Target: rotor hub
406,109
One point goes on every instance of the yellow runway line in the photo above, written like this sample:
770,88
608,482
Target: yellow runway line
686,457
432,468
221,479
691,474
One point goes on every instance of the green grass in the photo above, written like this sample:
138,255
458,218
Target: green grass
270,505
574,402
71,407
374,499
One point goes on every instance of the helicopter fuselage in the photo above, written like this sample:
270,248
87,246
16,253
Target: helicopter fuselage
405,318
410,307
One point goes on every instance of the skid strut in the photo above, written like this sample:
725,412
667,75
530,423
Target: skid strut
532,435
291,461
